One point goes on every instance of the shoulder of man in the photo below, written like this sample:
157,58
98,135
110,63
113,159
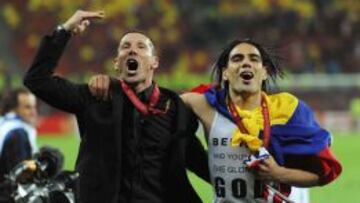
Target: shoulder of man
185,116
17,133
16,136
167,95
282,107
283,98
285,108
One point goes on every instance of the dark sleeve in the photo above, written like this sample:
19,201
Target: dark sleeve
195,154
54,90
308,163
196,158
16,148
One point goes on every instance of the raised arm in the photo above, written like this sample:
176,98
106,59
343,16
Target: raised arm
40,78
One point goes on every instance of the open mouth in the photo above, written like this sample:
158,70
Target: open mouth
246,75
132,64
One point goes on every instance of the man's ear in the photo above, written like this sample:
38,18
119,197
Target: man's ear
116,64
224,74
155,63
265,74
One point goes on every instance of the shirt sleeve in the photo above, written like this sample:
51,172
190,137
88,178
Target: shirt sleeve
195,154
54,90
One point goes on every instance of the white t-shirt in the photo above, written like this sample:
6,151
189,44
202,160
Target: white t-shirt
231,180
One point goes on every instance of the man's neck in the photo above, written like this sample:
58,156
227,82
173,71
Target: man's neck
246,100
141,86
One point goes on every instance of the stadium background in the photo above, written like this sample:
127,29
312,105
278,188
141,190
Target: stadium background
318,39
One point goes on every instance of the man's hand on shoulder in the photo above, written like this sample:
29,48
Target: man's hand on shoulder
78,22
99,86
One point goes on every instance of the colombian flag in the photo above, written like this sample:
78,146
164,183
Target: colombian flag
294,130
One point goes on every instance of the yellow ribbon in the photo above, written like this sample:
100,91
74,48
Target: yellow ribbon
281,108
253,122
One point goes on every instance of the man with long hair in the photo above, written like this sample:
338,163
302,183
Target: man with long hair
242,121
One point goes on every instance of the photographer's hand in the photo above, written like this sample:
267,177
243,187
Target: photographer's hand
23,172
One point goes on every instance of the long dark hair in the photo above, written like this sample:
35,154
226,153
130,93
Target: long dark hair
269,59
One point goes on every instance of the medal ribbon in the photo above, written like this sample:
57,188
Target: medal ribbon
145,109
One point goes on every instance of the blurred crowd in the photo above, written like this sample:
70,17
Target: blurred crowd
313,36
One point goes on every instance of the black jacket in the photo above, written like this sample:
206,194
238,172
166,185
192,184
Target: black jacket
99,158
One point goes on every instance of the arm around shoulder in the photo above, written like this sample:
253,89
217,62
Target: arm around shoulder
199,105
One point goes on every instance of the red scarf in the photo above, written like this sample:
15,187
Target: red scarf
145,109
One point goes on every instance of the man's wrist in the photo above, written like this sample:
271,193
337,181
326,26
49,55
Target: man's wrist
281,175
66,27
62,29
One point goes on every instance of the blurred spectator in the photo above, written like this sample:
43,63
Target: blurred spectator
17,131
321,36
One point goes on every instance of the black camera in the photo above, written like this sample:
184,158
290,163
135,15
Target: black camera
56,190
40,180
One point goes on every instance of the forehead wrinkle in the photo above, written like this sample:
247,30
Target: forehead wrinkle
147,41
254,55
136,36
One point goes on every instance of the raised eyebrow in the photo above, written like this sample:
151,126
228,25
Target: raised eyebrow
124,43
236,55
141,43
254,56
